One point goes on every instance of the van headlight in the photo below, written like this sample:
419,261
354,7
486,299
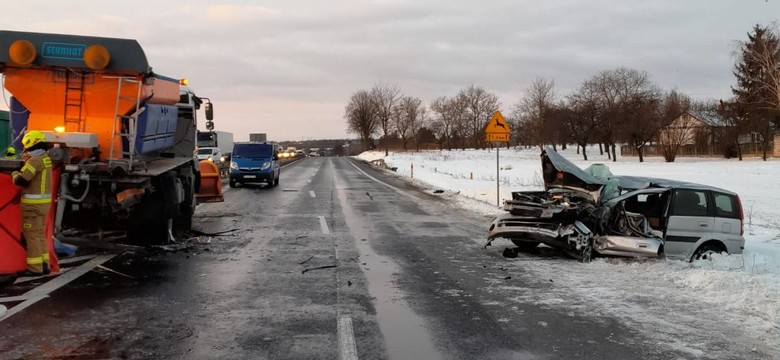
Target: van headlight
234,165
265,165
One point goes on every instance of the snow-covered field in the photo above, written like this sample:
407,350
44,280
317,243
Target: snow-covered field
733,298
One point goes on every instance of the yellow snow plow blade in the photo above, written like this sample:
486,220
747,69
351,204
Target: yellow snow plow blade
210,183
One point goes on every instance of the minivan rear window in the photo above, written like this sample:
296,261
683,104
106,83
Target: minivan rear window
726,205
253,150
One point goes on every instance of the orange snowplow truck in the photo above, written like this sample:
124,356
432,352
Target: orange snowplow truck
124,135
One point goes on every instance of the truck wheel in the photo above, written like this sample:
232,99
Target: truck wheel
148,226
276,182
183,222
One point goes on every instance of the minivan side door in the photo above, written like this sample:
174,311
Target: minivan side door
689,222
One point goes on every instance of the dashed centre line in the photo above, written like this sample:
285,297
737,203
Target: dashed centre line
324,225
312,194
347,348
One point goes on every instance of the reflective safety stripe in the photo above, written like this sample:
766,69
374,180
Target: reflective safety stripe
36,201
36,196
28,167
46,165
27,226
45,257
35,260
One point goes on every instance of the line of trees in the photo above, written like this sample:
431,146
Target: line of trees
619,106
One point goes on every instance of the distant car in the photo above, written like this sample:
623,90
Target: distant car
222,160
253,162
621,215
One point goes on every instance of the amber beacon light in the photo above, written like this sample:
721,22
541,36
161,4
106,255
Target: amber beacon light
22,52
97,57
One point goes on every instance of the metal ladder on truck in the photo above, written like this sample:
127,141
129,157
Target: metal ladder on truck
74,98
125,126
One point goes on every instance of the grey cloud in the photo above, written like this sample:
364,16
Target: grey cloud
307,53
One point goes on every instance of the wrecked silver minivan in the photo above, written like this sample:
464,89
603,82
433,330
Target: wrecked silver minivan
591,210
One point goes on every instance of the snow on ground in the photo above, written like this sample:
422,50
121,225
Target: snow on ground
743,290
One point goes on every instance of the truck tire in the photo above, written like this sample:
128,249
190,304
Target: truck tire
183,222
148,225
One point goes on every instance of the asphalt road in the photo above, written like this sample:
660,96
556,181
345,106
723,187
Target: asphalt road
340,261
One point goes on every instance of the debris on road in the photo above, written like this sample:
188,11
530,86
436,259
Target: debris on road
101,267
318,268
218,233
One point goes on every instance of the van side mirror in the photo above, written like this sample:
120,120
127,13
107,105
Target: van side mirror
276,156
209,111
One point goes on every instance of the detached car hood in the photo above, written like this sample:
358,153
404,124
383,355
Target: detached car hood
558,172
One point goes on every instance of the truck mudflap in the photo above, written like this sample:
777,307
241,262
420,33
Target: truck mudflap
210,183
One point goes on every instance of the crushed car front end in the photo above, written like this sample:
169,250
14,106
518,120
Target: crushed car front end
569,216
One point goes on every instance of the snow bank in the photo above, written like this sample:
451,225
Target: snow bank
744,290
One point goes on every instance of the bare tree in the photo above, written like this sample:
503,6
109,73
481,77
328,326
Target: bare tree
583,118
407,118
442,123
419,124
385,96
681,130
608,87
643,118
361,116
462,131
480,106
532,111
623,94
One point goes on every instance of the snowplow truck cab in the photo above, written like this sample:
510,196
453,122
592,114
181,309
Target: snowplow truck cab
124,135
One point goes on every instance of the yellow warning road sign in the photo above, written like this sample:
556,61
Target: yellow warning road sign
497,129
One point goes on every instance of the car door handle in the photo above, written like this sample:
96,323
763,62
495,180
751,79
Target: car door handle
703,224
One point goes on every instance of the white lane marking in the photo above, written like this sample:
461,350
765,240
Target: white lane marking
375,179
324,225
347,347
312,194
13,299
43,291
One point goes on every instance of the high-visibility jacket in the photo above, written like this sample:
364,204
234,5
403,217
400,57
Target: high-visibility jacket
35,178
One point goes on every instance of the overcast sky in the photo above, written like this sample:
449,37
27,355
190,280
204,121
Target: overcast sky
288,67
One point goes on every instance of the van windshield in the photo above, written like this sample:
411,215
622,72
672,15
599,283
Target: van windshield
253,150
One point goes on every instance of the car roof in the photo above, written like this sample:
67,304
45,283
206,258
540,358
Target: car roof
252,143
642,182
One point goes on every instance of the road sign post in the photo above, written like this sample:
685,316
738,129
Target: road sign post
497,131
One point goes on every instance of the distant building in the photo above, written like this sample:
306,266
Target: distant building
699,129
700,133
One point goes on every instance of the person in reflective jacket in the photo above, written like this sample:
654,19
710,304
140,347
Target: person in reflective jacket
10,153
35,180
